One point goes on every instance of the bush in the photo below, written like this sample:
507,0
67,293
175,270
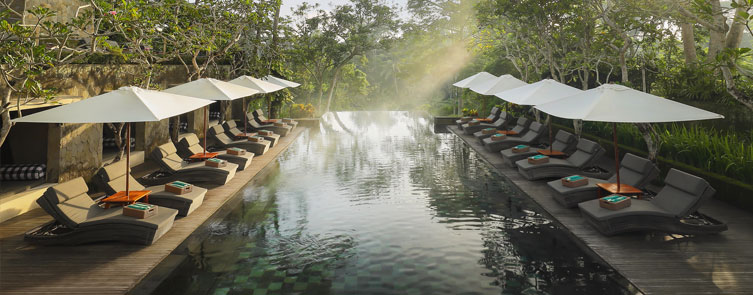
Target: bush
302,111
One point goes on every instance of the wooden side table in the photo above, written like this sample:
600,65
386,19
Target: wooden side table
551,153
625,189
203,156
245,135
120,198
507,132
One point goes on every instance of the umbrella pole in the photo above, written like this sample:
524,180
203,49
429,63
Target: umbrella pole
128,158
245,119
549,117
616,155
205,128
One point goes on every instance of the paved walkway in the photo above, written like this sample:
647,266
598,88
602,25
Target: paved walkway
105,268
656,263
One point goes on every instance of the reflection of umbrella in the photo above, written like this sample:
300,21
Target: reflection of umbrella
212,89
496,85
620,104
280,81
475,79
541,92
257,84
127,104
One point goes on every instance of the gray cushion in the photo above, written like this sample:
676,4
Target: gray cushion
682,193
638,209
563,140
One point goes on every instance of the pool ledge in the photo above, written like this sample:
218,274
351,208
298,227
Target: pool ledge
105,268
655,263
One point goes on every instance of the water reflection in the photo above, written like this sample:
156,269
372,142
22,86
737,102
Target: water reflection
377,203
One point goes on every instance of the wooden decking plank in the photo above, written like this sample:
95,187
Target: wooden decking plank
655,263
96,268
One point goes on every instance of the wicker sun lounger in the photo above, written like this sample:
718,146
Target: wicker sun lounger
217,133
634,171
79,220
280,130
190,145
493,116
532,136
113,176
258,116
667,212
521,126
587,152
232,130
500,123
194,172
564,142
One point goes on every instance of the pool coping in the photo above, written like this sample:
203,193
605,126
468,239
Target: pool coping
95,268
688,265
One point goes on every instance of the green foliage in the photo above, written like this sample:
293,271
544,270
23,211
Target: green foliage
298,110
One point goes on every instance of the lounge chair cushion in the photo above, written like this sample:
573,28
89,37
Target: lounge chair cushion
76,210
191,139
68,190
634,170
637,209
682,193
562,140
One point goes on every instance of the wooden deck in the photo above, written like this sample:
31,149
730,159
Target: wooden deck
656,263
105,268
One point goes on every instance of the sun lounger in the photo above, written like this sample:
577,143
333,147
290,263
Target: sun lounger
232,130
680,197
521,126
564,142
634,171
280,130
494,115
500,123
193,172
535,131
190,145
79,220
587,152
113,177
217,134
258,116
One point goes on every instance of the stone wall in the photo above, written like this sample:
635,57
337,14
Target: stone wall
73,150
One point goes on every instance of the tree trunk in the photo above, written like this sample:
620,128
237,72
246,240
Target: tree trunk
688,44
735,34
175,121
623,66
5,116
716,36
320,93
117,130
332,89
651,138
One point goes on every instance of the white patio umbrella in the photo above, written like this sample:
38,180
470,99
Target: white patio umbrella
257,84
620,104
541,92
475,79
127,104
496,85
212,89
280,81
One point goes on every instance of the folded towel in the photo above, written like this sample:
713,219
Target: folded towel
614,198
574,178
536,157
521,146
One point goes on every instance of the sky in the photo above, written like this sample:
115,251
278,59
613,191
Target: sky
288,5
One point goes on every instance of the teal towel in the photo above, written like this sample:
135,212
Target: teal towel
614,198
574,178
521,146
537,157
498,135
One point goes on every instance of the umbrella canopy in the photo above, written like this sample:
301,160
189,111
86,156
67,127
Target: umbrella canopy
475,79
257,84
496,85
620,104
280,81
127,104
212,89
541,92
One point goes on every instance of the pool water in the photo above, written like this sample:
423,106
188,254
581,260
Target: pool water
377,203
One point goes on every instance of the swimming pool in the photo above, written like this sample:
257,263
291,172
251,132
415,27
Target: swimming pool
377,203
